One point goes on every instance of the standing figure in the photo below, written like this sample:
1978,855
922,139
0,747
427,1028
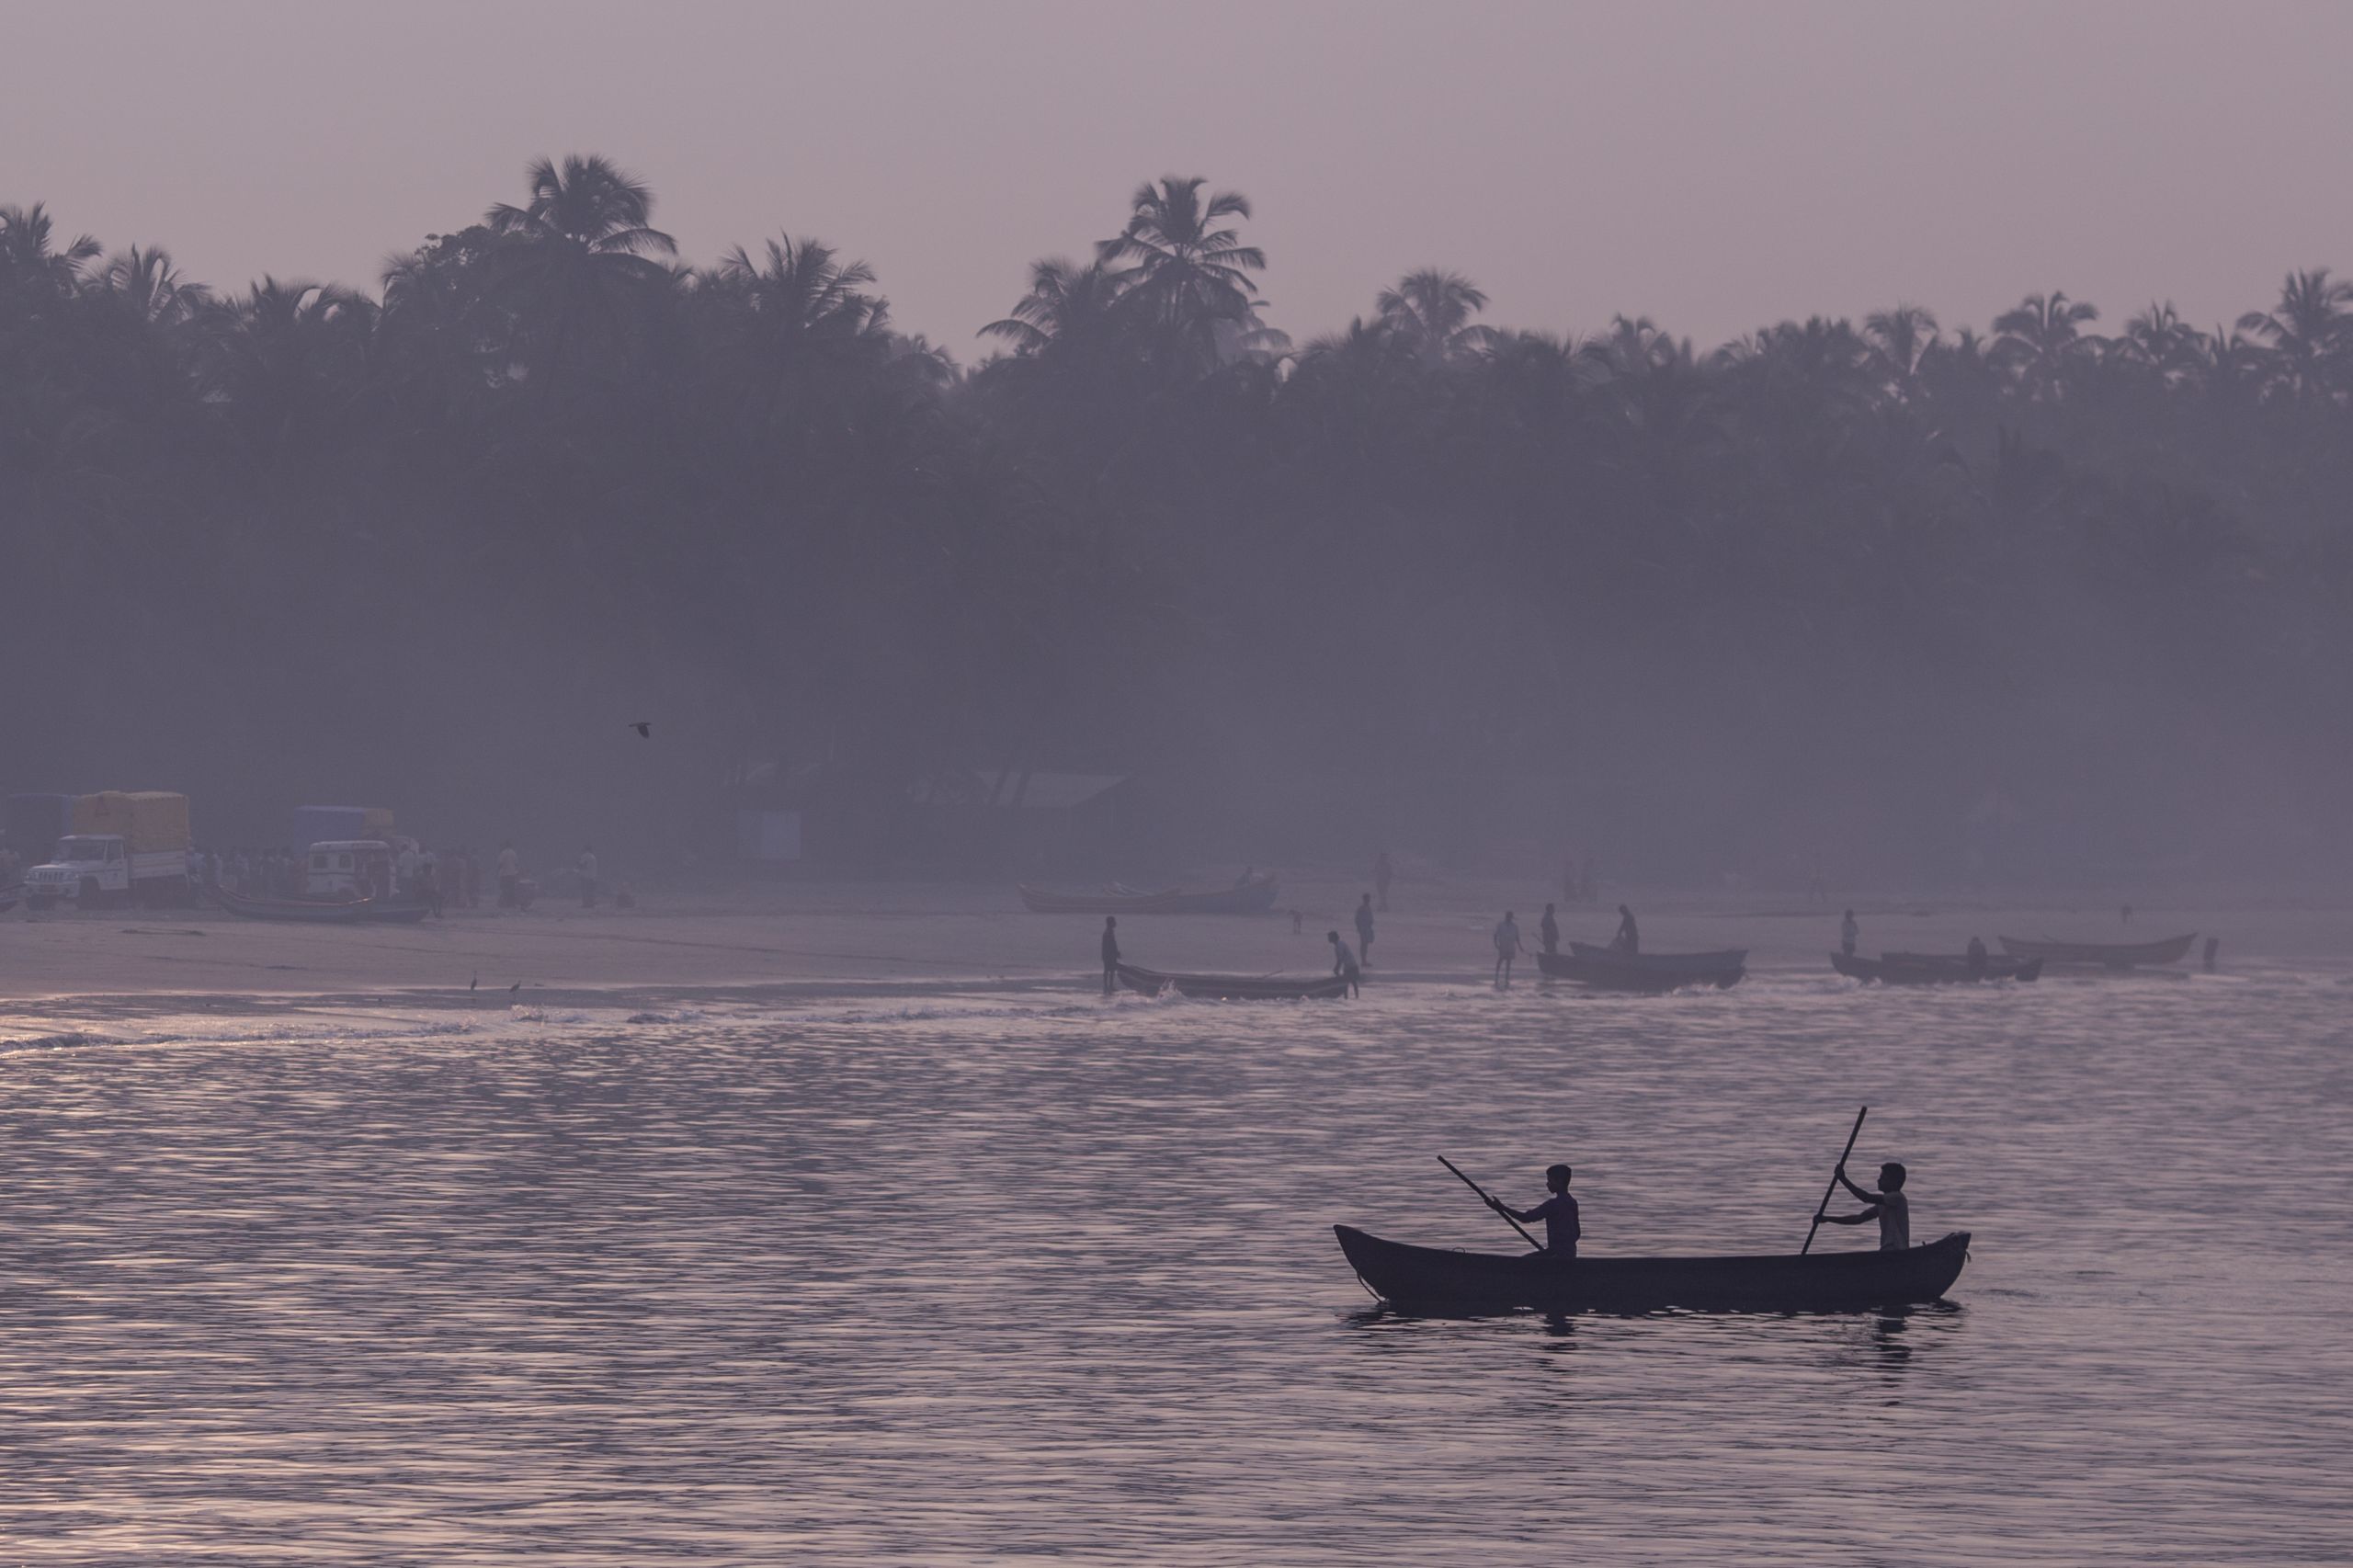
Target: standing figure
1364,929
1629,939
1344,963
1977,958
586,867
1548,931
1848,934
1382,873
1110,953
1507,947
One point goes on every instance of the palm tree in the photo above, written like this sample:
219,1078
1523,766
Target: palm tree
803,291
577,261
28,261
1898,338
1192,278
287,361
1067,304
2308,327
2042,340
1430,312
146,284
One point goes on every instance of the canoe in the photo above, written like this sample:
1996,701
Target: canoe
1445,1280
1254,897
1234,987
2104,955
320,911
1605,969
1933,969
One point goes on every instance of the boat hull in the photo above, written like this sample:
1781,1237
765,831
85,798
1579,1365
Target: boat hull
1608,969
1254,898
2102,955
1233,987
1438,1279
1933,969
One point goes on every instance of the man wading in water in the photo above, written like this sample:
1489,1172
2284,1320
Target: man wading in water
1111,958
1888,1206
1559,1213
1507,947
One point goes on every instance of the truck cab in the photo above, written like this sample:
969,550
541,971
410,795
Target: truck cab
85,869
349,869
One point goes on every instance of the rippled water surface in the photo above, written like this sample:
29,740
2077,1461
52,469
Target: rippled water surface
994,1277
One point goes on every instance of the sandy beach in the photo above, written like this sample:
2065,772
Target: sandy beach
818,937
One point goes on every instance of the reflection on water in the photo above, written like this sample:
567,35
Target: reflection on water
973,1278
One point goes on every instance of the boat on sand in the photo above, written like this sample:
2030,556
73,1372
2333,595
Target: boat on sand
1234,987
1933,969
1607,969
1444,1280
2102,955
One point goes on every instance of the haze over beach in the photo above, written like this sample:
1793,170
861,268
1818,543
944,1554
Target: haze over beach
767,773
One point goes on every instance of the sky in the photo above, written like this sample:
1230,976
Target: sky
1715,166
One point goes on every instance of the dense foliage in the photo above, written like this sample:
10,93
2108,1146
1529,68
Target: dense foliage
1901,597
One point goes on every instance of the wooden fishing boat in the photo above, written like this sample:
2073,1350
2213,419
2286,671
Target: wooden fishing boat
1253,897
1607,968
1445,1280
1933,969
321,911
2102,955
1234,987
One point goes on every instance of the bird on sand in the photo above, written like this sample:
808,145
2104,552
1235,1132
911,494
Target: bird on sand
474,981
514,988
645,728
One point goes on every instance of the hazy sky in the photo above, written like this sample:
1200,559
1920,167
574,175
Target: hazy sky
1714,166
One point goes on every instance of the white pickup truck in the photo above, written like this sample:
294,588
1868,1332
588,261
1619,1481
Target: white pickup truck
88,869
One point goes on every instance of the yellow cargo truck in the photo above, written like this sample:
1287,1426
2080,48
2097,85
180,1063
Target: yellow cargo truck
126,846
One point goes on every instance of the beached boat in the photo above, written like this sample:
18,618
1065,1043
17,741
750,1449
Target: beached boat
321,911
1253,897
1443,1280
1607,968
1933,969
1234,987
2102,955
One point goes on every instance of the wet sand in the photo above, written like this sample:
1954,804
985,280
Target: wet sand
809,937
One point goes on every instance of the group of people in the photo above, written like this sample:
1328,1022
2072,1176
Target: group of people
1508,948
1563,1225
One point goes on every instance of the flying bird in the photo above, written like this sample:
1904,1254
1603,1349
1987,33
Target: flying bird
645,728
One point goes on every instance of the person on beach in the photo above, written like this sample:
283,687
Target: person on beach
511,877
1364,929
1548,931
1344,963
1507,947
586,866
1559,1213
1848,934
1629,939
1888,1206
1111,958
1382,873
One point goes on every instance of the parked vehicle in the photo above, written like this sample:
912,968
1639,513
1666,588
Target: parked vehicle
349,869
92,870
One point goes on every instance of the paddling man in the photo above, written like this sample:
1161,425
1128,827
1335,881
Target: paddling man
1559,1213
1364,929
1507,947
1888,1206
1344,963
1848,934
1629,940
1548,931
1111,958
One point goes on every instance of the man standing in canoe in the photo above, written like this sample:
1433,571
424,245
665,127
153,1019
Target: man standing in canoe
1364,930
1559,1213
1888,1206
1111,956
1507,947
1848,934
1548,931
1629,940
1344,963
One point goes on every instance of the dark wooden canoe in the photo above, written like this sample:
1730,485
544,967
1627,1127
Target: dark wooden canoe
1234,987
1933,969
320,911
1606,969
1441,1280
1253,897
2103,955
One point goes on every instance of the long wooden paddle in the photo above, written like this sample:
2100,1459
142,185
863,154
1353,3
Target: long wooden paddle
1823,1206
1491,1204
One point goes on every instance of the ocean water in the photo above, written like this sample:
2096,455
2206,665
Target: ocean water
988,1278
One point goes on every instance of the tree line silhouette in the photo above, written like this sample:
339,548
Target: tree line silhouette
1927,596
